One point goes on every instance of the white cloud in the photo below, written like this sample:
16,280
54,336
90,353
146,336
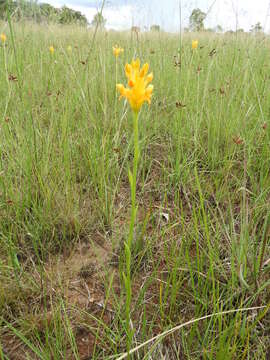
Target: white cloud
117,18
122,14
232,14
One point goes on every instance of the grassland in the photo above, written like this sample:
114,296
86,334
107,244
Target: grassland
201,245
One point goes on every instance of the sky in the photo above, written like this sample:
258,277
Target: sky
122,14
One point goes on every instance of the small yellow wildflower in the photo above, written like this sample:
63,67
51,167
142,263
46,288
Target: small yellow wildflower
117,50
194,44
69,49
51,49
139,91
3,38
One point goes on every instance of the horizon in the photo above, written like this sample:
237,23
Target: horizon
123,14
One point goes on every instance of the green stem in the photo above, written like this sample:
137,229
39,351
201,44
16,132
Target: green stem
135,166
14,49
116,82
128,245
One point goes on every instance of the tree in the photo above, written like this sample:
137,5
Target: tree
155,28
218,29
99,20
33,11
135,29
257,28
196,20
69,16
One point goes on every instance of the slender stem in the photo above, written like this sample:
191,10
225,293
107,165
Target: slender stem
135,165
133,180
265,237
14,49
8,83
116,82
116,72
96,29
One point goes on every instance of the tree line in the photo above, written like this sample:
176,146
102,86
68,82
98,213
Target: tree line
43,12
196,24
40,13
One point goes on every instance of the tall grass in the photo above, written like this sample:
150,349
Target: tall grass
201,243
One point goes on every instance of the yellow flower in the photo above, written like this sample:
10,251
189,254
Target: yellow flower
117,50
3,38
69,49
139,89
51,49
194,44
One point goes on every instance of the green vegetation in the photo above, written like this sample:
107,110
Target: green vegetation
98,20
201,242
257,28
40,13
155,28
196,20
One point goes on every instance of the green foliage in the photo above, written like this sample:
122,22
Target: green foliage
219,29
257,28
69,16
155,28
210,30
98,20
196,20
33,11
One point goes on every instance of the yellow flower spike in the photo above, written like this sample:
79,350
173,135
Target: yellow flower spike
3,38
69,48
128,70
144,70
138,91
194,44
148,93
135,64
131,83
121,89
51,49
117,50
149,78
